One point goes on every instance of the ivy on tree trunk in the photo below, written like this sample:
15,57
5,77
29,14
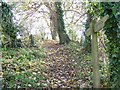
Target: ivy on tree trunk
63,37
8,27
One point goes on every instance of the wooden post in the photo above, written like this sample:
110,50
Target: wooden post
95,26
94,48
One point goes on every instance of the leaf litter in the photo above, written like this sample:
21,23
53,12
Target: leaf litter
66,67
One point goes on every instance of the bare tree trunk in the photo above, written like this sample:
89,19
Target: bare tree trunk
53,21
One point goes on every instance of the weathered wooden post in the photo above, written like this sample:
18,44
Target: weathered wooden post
93,29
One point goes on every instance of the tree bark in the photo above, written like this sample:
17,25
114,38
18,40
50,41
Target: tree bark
53,21
63,37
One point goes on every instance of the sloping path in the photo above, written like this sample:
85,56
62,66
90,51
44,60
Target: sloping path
61,69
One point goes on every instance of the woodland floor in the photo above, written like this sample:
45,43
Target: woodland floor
66,67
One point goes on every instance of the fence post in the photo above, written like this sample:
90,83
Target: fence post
94,48
95,26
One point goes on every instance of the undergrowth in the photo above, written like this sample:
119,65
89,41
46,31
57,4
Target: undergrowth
22,67
84,63
25,67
